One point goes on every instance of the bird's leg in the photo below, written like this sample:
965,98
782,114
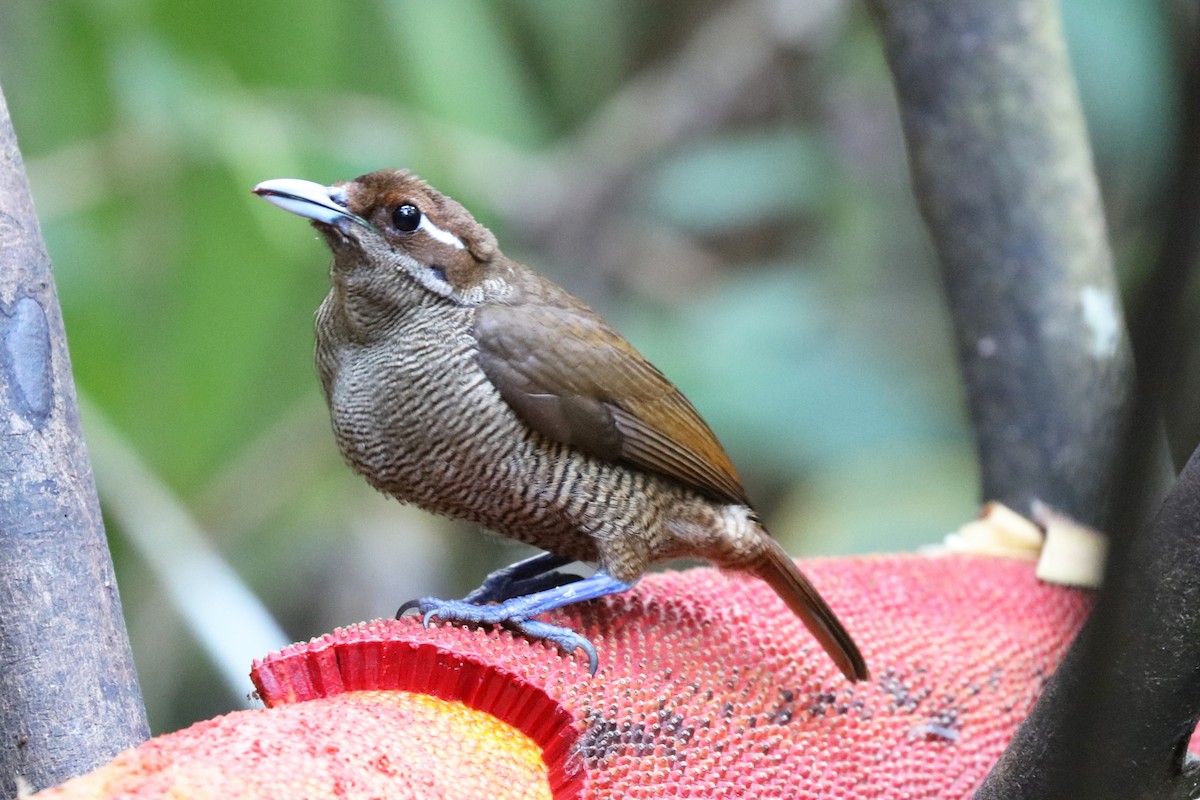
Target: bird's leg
531,575
516,612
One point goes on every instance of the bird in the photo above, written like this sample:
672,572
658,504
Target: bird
465,383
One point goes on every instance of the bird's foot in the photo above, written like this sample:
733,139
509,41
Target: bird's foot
516,612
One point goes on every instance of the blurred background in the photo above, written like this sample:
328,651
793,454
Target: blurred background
725,181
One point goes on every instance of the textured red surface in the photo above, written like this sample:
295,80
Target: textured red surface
708,687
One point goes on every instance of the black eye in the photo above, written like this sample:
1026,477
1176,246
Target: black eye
406,218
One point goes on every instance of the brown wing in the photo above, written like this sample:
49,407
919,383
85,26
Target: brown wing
575,380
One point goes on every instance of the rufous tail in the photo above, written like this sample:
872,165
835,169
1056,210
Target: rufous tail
782,575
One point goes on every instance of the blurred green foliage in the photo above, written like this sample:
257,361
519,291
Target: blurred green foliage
725,181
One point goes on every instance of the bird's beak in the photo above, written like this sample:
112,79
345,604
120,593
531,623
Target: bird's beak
325,204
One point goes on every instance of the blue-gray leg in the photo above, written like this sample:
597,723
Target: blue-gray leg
532,575
516,611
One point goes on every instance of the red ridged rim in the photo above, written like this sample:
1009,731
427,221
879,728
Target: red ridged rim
365,659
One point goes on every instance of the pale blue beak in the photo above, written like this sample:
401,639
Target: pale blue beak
307,199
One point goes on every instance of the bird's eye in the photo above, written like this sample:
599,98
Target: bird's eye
406,218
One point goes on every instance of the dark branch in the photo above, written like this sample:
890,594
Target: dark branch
69,698
1132,680
1003,172
1002,169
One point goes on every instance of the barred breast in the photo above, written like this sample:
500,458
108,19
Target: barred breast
416,416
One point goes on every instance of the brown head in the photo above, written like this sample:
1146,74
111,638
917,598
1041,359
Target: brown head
393,235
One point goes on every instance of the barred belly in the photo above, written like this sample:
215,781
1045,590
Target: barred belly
465,454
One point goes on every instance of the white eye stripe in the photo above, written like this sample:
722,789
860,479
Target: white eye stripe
445,237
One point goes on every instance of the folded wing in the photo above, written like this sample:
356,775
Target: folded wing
575,380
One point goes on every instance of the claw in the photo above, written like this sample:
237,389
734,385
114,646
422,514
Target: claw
567,640
408,606
430,614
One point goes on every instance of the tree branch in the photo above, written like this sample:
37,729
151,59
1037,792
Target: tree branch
1130,680
1003,172
69,698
